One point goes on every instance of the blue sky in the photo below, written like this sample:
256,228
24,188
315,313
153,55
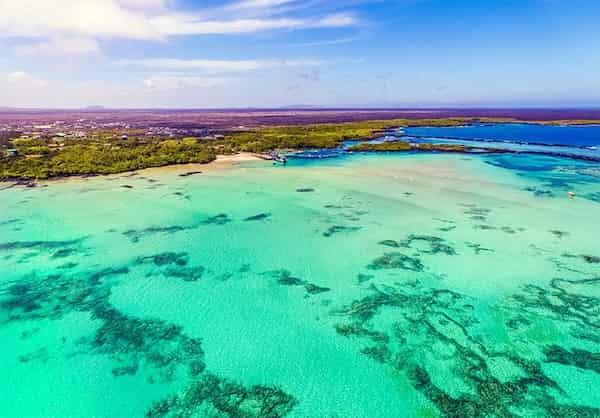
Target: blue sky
269,53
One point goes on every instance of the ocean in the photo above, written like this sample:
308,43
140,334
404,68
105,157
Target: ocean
417,285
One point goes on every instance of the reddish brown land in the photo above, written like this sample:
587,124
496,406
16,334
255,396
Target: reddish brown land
227,119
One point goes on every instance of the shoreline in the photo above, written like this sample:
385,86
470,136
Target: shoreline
220,163
361,134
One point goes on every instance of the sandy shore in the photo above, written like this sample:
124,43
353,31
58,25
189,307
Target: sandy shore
222,162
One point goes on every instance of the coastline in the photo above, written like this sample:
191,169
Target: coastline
295,139
221,162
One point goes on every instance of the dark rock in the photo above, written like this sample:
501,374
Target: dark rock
190,173
259,217
396,260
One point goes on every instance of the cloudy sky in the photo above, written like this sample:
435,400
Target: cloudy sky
268,53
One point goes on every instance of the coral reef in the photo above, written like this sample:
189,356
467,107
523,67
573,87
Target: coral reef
136,234
396,260
259,217
214,396
336,229
435,332
285,278
158,348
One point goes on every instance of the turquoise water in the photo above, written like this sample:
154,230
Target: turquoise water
571,135
363,286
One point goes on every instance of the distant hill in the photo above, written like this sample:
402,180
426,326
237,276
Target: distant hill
301,107
94,107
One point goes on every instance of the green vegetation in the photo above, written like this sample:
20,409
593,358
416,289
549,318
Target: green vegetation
109,152
88,157
394,146
106,151
326,135
382,146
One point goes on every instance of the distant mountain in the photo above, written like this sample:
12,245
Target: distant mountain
301,106
94,107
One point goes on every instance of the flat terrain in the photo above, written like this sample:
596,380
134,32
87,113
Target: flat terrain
227,119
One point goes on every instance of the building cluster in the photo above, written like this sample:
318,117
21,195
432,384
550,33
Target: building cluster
81,128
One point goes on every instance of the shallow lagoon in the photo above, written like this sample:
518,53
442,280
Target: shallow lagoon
364,286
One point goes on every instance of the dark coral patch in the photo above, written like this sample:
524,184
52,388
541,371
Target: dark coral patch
436,329
436,245
313,289
305,190
39,245
163,259
336,229
559,234
582,359
187,274
214,396
358,330
285,278
63,253
591,259
478,248
475,212
259,217
396,260
390,243
364,277
220,219
540,192
485,227
136,234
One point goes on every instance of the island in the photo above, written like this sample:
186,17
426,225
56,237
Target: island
88,147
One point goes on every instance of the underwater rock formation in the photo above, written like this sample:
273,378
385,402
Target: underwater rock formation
436,245
190,173
559,234
540,192
478,248
336,229
212,396
159,348
259,217
163,259
220,219
136,234
436,330
285,278
396,260
41,246
475,212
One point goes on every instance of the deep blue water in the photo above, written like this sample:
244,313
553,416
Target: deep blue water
582,136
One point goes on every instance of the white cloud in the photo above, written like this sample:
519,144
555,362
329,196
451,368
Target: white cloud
136,19
60,46
176,64
336,21
325,42
255,4
172,82
89,18
145,4
171,25
22,78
